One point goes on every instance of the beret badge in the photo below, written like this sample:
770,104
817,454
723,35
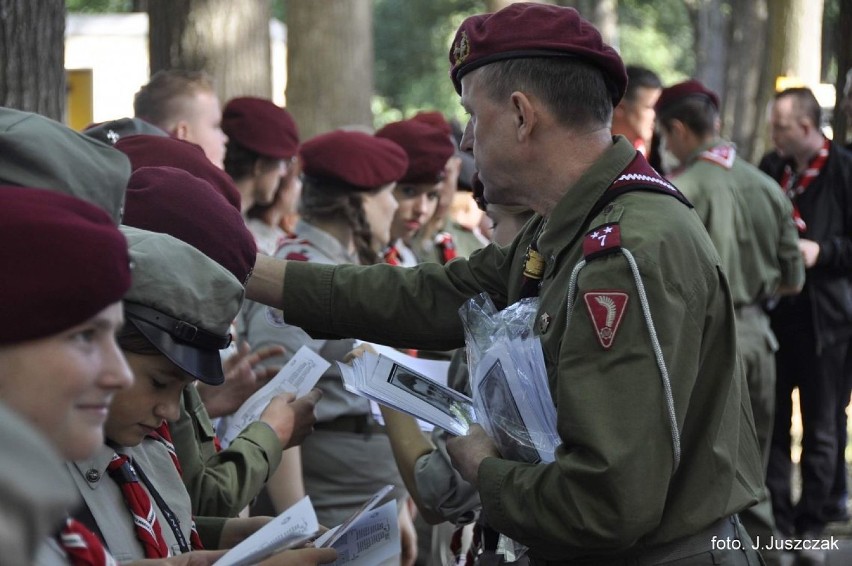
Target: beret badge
461,49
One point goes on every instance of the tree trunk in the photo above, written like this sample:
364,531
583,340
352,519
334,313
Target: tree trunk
801,26
743,118
330,62
843,41
229,40
32,56
711,42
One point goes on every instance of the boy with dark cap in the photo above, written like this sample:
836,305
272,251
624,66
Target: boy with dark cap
751,225
635,317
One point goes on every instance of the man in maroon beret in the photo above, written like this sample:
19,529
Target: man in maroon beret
634,315
263,140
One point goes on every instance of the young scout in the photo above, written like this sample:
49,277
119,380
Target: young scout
133,496
635,316
751,225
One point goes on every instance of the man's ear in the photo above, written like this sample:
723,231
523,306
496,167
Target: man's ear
526,116
181,130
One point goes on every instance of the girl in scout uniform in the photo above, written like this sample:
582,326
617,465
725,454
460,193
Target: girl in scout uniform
176,322
346,208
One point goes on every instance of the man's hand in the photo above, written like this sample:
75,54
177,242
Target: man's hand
810,252
291,419
467,452
358,352
242,379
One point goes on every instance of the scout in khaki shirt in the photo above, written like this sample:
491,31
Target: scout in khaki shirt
635,316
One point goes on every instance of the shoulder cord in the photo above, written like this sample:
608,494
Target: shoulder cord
655,343
170,516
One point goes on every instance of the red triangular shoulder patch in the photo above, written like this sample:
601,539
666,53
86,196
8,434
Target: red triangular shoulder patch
606,308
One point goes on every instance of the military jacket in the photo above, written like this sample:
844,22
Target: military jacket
749,220
614,486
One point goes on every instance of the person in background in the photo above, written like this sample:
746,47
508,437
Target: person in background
263,141
751,225
633,118
185,105
813,328
274,222
658,447
346,211
429,149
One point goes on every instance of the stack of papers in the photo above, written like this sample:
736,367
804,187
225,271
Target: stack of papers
399,387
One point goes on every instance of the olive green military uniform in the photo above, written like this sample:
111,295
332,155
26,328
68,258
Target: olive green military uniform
221,483
751,224
615,486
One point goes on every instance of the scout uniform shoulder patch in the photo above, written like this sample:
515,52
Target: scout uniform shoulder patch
606,309
604,239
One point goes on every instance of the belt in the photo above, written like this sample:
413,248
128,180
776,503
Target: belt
356,424
726,529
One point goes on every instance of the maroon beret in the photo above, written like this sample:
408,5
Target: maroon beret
359,160
261,126
69,263
434,118
156,151
171,201
525,30
682,90
428,149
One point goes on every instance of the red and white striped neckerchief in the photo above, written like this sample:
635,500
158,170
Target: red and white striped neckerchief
446,247
794,185
83,547
391,256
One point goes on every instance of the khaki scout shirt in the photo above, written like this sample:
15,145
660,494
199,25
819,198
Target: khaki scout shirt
750,222
613,486
102,495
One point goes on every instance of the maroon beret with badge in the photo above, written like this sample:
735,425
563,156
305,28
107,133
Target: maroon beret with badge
528,30
261,126
428,149
156,151
362,161
171,201
682,90
68,262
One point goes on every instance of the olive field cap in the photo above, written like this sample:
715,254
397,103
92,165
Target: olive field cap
360,161
182,301
261,126
529,30
112,131
63,261
39,152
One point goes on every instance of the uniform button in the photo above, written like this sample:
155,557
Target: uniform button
93,476
607,209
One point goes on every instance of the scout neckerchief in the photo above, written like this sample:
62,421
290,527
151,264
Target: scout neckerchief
794,185
123,472
446,247
82,546
722,154
391,255
164,436
605,306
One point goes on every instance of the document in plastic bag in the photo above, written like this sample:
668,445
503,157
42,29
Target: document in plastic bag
399,387
298,376
292,528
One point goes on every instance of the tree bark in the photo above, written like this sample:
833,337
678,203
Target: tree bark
800,23
711,42
743,118
32,56
330,62
843,41
229,40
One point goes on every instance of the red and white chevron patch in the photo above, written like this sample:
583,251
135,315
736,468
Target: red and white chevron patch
606,309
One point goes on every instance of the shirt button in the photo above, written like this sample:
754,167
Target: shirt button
93,476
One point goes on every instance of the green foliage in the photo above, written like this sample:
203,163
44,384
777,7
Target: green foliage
411,44
658,35
99,6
